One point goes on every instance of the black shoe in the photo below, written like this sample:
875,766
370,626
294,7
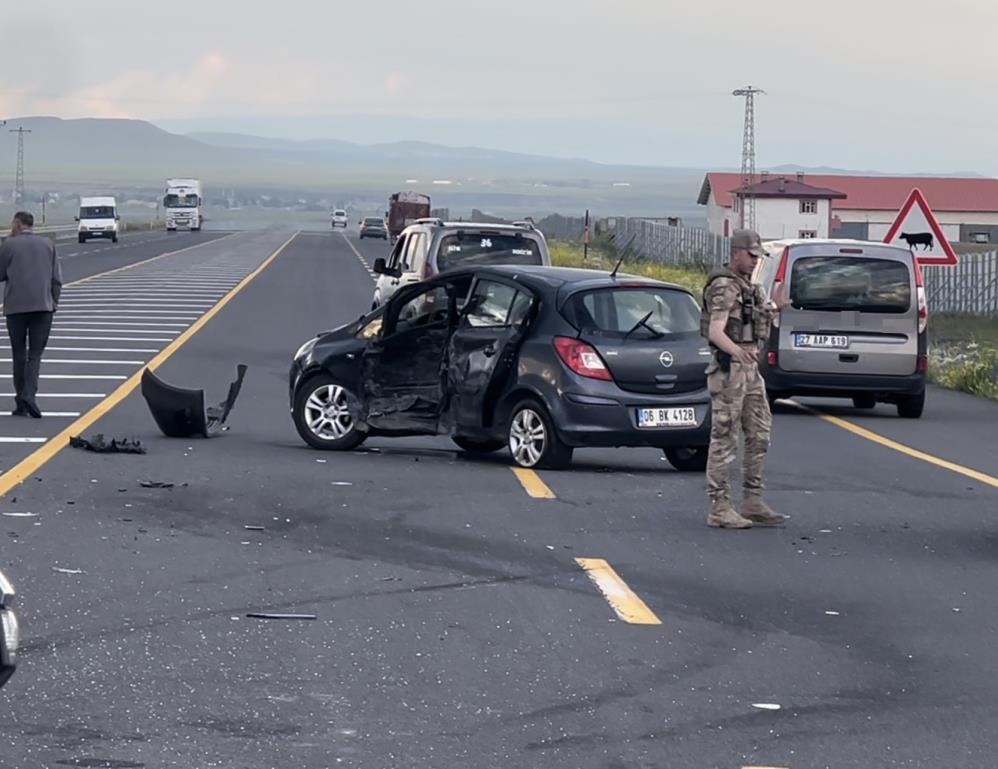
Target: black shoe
32,408
20,411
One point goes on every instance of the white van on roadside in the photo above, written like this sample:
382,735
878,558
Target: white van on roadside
98,219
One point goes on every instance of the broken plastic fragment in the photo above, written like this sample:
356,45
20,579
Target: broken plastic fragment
253,528
99,445
156,484
766,706
21,515
66,571
181,413
264,615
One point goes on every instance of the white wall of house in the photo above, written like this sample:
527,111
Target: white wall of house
778,218
716,215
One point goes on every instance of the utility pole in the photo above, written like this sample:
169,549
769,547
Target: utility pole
19,181
747,216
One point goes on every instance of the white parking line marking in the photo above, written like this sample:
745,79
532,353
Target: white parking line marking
22,440
95,396
91,349
64,361
78,322
72,376
70,414
112,338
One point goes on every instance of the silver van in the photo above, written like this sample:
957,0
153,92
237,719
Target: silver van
855,327
430,246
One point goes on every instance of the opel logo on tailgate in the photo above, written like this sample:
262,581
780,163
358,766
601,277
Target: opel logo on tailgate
666,359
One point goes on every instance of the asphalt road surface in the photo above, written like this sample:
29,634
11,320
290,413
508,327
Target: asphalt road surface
470,617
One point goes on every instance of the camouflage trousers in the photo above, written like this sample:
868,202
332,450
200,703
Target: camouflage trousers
738,404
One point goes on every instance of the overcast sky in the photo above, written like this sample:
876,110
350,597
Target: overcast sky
861,84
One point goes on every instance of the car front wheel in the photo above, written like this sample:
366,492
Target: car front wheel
688,460
324,415
533,441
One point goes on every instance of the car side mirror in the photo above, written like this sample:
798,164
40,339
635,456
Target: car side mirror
380,266
76,218
117,218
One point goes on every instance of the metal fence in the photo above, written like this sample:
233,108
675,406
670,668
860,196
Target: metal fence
654,240
969,287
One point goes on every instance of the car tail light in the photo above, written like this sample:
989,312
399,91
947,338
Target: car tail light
773,358
780,284
923,303
581,358
923,363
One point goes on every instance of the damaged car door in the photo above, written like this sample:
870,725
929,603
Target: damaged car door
482,351
402,369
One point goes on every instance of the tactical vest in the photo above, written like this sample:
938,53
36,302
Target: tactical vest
755,320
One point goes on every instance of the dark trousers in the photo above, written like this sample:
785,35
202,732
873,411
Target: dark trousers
29,333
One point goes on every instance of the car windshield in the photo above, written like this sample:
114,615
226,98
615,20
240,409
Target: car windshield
339,213
180,201
97,212
647,310
482,248
850,283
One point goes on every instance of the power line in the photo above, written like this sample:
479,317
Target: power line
747,216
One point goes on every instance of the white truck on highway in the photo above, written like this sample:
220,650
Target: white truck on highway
98,219
183,203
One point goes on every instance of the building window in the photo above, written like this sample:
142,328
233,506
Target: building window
809,206
980,237
807,234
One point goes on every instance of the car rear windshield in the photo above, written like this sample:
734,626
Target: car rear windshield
644,310
850,283
373,222
481,248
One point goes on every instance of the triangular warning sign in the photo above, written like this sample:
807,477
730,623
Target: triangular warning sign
917,228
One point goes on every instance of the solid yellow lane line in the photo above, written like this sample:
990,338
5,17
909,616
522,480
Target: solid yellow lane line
625,602
533,484
31,464
869,435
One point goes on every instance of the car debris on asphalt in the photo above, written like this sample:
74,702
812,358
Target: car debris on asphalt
99,445
181,413
267,615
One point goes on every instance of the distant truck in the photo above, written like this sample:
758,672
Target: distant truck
98,219
183,203
404,208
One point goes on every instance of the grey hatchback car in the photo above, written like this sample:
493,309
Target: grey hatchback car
855,326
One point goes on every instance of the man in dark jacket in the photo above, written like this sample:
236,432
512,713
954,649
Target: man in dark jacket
33,284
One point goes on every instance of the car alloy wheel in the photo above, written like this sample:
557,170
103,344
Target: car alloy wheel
527,437
327,413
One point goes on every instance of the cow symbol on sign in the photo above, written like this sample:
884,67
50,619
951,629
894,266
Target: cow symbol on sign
918,239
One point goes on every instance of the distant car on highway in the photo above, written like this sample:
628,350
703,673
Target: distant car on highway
373,227
339,218
856,326
98,218
541,360
9,631
431,246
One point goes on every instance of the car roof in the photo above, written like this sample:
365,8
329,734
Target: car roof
779,245
440,224
564,281
98,201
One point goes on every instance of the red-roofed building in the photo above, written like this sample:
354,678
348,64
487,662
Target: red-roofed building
967,208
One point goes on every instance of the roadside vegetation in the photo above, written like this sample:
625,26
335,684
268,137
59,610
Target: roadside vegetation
603,256
963,353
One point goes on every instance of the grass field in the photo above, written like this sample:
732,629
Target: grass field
604,258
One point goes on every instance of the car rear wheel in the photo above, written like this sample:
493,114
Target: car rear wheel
864,401
533,441
477,447
324,415
911,406
688,460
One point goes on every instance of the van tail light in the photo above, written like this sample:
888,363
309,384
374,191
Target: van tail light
773,358
780,284
923,363
923,303
581,358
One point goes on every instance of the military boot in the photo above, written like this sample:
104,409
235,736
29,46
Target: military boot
724,516
758,511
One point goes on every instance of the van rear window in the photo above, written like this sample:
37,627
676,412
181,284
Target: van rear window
850,283
478,248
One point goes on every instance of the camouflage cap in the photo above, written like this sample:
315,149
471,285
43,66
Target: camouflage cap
748,240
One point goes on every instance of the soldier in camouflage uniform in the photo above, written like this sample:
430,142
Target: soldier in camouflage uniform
736,319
